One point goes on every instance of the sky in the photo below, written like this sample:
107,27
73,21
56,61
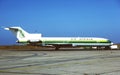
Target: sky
61,18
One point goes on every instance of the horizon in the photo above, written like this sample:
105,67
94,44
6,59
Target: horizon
61,18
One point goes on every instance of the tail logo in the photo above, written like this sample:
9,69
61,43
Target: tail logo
21,34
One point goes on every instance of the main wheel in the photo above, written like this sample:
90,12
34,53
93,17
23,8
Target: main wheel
57,48
107,48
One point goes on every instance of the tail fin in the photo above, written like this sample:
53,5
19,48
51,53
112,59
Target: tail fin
18,31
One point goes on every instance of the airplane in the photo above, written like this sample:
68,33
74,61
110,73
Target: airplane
57,42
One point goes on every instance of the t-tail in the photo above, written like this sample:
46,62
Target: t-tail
24,36
19,32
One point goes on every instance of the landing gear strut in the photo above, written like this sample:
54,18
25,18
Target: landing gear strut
57,47
107,48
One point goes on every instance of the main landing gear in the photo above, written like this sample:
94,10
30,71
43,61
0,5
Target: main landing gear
103,48
57,47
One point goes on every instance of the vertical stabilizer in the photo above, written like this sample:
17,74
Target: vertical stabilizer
18,31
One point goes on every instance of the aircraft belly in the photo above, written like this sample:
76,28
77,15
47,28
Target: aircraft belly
91,44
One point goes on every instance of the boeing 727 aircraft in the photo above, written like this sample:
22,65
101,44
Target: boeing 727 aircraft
57,42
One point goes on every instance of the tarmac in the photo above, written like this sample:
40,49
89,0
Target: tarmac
90,62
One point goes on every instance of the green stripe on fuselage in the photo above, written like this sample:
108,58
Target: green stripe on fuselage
78,42
61,41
